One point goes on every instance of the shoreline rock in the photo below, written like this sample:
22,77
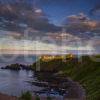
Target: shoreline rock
17,67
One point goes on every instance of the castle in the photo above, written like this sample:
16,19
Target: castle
53,57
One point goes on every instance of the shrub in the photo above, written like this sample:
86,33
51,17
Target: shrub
26,96
37,97
49,98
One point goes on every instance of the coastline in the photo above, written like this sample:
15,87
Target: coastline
76,92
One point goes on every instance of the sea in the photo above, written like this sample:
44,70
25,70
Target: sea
14,83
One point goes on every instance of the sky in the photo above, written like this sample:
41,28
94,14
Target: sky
49,26
57,10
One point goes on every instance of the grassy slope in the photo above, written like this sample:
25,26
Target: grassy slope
87,73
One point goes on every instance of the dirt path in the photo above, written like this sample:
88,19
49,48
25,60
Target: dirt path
75,91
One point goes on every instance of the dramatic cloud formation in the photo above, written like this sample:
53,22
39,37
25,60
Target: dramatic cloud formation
17,15
24,26
12,45
51,41
82,26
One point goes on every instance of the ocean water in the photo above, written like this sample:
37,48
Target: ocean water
15,82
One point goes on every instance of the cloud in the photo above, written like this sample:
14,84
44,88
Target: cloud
95,10
81,25
36,46
17,15
10,43
77,18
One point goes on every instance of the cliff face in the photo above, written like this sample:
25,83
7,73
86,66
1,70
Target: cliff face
54,63
84,70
